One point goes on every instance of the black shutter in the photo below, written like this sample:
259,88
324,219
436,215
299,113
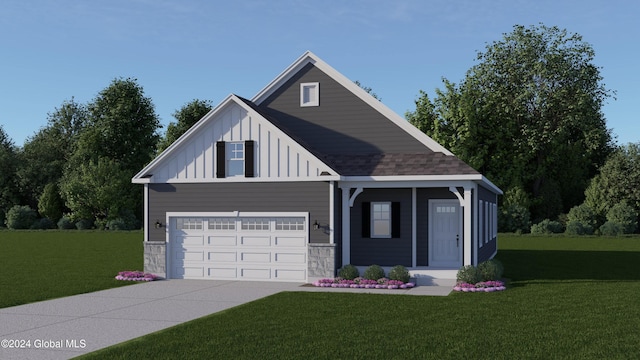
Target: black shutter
249,160
220,159
395,220
366,219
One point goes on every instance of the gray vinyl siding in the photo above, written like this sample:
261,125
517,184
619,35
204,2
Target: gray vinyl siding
312,197
383,252
342,124
487,249
422,197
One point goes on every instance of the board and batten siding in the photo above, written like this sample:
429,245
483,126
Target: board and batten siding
311,197
276,155
341,124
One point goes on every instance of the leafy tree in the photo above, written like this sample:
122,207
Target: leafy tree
20,217
122,126
45,155
119,138
186,117
98,190
529,114
617,182
8,181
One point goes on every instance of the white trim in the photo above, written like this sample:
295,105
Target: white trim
355,194
315,101
466,220
405,184
146,212
195,214
346,227
414,227
481,216
456,192
331,212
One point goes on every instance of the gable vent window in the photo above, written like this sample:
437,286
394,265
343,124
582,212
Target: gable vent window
310,94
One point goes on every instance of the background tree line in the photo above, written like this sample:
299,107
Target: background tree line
76,171
528,116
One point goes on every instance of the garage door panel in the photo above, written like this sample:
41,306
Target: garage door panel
190,256
256,241
290,258
223,256
188,240
255,273
290,274
288,241
229,240
255,257
223,272
190,272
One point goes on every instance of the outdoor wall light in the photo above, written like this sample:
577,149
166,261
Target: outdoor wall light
158,224
316,226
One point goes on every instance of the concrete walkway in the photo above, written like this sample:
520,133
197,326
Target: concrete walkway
75,325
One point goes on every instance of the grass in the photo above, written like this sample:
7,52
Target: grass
569,298
39,265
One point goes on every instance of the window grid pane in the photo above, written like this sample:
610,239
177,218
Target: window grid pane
189,223
381,219
255,224
222,223
293,224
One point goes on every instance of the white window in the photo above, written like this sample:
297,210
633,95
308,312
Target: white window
486,222
310,94
290,223
380,219
222,223
480,223
188,224
255,224
235,159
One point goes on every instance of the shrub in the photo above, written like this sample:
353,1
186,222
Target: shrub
126,221
491,270
625,215
584,215
43,224
469,274
514,218
399,273
349,272
84,224
50,204
373,272
578,228
20,217
547,226
611,228
65,223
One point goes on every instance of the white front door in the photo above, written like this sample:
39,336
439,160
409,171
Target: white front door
445,235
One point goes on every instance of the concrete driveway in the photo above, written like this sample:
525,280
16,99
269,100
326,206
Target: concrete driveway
71,326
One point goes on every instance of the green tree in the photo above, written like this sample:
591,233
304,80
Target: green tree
528,114
98,190
186,117
617,181
45,155
121,134
8,181
50,203
368,90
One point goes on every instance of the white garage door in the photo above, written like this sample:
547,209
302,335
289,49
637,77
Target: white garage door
249,246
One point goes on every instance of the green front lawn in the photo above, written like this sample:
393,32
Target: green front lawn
569,298
40,265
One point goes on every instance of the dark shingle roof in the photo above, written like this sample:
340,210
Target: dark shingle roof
399,164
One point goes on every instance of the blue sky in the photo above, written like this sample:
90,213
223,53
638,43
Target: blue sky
51,51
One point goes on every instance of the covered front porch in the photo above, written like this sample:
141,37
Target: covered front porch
434,236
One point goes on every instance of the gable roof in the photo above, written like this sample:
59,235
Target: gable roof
310,58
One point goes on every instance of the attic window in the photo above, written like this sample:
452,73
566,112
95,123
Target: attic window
310,94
